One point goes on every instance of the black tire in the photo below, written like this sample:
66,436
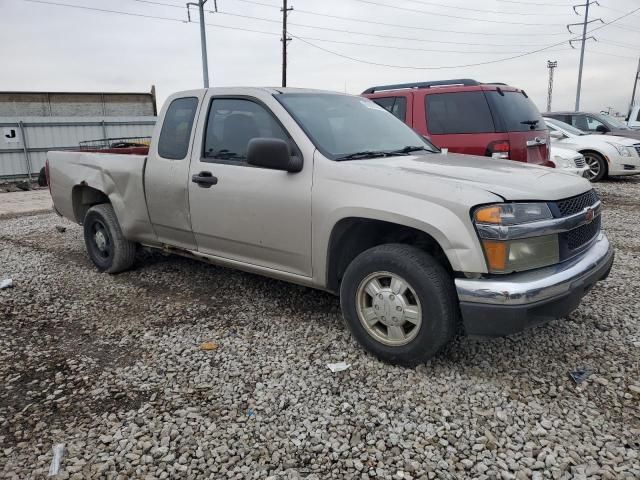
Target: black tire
107,247
433,287
597,166
42,177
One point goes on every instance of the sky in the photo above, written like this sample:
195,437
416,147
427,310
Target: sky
343,45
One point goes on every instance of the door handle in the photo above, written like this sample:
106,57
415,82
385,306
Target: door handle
204,179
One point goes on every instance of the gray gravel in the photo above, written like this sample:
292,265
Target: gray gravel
111,367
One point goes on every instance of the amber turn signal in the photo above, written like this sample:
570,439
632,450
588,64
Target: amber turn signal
492,214
496,253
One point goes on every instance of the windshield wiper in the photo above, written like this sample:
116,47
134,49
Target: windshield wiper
363,154
531,123
408,149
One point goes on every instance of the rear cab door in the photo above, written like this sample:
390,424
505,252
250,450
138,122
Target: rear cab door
167,170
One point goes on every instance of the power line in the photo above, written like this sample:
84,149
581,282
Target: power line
480,10
530,3
443,67
302,39
394,47
599,52
377,35
620,44
104,10
162,4
457,17
256,31
399,25
628,28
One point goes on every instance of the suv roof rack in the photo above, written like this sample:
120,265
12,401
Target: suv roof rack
466,82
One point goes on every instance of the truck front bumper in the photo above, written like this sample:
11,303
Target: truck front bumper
504,305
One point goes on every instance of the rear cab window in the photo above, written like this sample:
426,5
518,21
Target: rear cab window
458,112
175,135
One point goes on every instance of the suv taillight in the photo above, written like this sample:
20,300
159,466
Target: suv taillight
499,149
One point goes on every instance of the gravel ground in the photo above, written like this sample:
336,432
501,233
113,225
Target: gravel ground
111,366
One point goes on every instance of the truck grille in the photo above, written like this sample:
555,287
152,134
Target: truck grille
580,236
578,203
579,162
578,239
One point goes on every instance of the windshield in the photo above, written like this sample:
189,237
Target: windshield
613,122
345,127
516,111
570,129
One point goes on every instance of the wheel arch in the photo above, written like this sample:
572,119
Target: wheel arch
83,198
351,236
600,154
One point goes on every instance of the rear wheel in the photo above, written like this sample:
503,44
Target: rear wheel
597,166
399,303
107,247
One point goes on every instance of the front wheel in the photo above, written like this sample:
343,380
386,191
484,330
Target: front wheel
106,245
399,303
597,166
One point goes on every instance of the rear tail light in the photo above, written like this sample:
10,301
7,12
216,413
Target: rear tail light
499,149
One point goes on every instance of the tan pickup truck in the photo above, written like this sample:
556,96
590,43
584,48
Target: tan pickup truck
333,192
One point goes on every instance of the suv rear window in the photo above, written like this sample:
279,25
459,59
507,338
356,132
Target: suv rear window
460,112
516,112
396,105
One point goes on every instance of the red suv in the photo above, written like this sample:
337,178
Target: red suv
466,116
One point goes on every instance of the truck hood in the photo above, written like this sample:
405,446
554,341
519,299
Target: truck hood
508,179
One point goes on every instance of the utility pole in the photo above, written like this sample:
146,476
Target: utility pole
284,41
551,66
203,39
635,84
583,41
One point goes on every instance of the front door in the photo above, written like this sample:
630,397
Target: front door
248,214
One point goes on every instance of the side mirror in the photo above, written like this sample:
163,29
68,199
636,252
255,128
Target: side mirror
602,129
556,134
272,153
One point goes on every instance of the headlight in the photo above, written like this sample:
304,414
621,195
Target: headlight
623,149
506,256
562,162
513,213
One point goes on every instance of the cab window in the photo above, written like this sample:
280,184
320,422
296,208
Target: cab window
176,128
232,123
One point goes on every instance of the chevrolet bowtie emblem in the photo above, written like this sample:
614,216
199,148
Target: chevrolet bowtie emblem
589,215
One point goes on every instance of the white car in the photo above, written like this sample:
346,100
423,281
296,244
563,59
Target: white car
568,160
605,155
